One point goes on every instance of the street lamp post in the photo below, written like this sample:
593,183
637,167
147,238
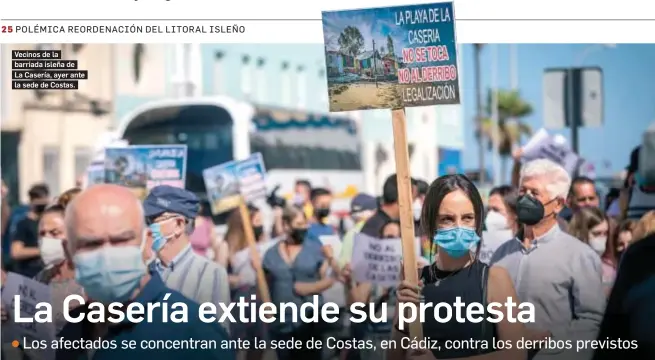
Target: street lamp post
574,122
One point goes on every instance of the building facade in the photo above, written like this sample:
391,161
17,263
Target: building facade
48,136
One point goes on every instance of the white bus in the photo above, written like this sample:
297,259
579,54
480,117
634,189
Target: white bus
320,148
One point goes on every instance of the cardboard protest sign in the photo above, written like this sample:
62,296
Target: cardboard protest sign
228,183
545,146
142,167
377,261
390,58
95,174
31,293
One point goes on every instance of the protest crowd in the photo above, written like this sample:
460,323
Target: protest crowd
543,239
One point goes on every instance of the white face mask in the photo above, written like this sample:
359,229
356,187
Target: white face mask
598,244
417,207
495,221
52,251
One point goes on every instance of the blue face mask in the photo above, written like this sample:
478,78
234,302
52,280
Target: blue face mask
457,241
110,274
158,239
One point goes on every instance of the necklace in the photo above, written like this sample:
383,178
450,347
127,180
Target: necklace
438,281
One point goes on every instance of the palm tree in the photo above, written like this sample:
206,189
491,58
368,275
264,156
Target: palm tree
478,115
511,108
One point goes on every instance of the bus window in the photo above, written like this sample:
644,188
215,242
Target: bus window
315,143
205,129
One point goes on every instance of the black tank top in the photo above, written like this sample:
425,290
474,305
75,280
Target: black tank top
470,285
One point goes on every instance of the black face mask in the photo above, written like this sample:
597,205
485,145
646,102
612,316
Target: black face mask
38,208
257,231
529,210
298,235
321,213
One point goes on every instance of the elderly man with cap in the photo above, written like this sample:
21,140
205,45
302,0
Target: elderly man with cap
106,240
170,214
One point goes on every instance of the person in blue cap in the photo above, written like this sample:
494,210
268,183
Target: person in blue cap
106,239
170,213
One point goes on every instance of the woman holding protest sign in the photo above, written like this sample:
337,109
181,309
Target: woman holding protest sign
453,213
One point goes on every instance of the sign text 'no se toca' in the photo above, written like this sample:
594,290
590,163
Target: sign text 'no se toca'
392,58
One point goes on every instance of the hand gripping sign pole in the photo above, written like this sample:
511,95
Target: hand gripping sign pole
401,152
262,285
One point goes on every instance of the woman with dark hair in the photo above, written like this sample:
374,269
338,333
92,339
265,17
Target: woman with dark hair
242,275
453,215
297,270
594,228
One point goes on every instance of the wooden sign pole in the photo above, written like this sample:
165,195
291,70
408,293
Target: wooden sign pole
401,152
262,285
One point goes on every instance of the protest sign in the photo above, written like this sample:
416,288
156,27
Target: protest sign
252,178
409,58
95,174
228,183
390,58
142,167
31,293
377,261
232,185
545,146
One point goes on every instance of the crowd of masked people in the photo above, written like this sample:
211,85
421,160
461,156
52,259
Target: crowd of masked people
543,239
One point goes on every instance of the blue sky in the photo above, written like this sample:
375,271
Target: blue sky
629,83
376,24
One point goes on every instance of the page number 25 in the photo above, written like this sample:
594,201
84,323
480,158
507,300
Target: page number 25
7,29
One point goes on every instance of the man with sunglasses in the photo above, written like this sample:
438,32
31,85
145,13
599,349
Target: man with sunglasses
170,214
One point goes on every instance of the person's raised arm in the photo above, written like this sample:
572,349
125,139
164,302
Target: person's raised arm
516,167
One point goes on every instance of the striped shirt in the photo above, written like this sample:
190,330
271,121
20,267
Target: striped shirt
197,278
